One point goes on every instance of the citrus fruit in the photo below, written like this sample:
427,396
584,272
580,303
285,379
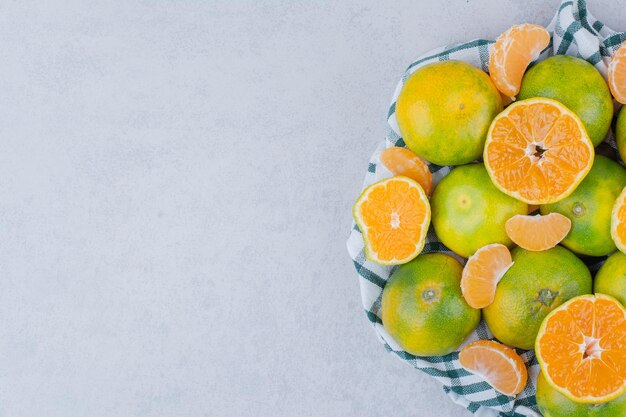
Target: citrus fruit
589,208
554,404
482,272
618,221
537,151
499,365
469,212
444,111
620,133
423,308
578,85
393,216
581,348
537,233
401,161
537,283
611,278
511,54
617,74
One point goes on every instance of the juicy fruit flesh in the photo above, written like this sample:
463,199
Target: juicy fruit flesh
401,161
393,216
617,74
537,233
423,308
537,151
511,54
482,272
497,364
581,348
618,222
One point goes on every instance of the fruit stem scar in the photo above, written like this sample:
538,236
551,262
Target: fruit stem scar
429,295
578,209
546,297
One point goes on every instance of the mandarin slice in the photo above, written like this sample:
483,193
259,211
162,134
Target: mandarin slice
537,151
393,216
401,161
499,365
513,51
537,233
482,272
617,74
618,222
581,348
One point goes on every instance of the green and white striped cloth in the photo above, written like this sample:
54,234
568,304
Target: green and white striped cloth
574,32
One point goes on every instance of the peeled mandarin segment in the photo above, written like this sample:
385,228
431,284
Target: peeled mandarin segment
617,74
500,366
537,233
513,51
393,216
482,272
401,161
537,151
618,222
581,348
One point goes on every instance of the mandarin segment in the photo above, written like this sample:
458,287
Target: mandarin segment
393,216
553,155
617,74
537,233
482,272
593,370
401,161
618,222
512,52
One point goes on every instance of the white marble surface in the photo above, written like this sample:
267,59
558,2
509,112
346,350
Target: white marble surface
176,182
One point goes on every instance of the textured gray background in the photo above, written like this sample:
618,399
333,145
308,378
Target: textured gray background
176,182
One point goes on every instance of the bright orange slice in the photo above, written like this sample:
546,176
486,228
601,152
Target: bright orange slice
393,215
537,151
401,161
581,347
537,233
482,272
499,365
511,54
617,74
618,222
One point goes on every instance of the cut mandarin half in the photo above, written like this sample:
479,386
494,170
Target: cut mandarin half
581,348
537,151
513,51
482,272
499,365
618,222
617,74
401,161
537,233
393,215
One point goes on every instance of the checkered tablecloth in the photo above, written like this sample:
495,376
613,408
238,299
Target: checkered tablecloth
573,32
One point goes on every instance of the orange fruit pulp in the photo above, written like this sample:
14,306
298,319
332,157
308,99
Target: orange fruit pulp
581,348
537,233
482,272
393,216
617,74
497,364
401,161
513,51
537,151
618,222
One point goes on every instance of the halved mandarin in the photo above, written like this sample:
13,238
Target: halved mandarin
617,74
393,215
513,51
482,272
618,222
537,151
499,365
581,348
401,161
537,233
